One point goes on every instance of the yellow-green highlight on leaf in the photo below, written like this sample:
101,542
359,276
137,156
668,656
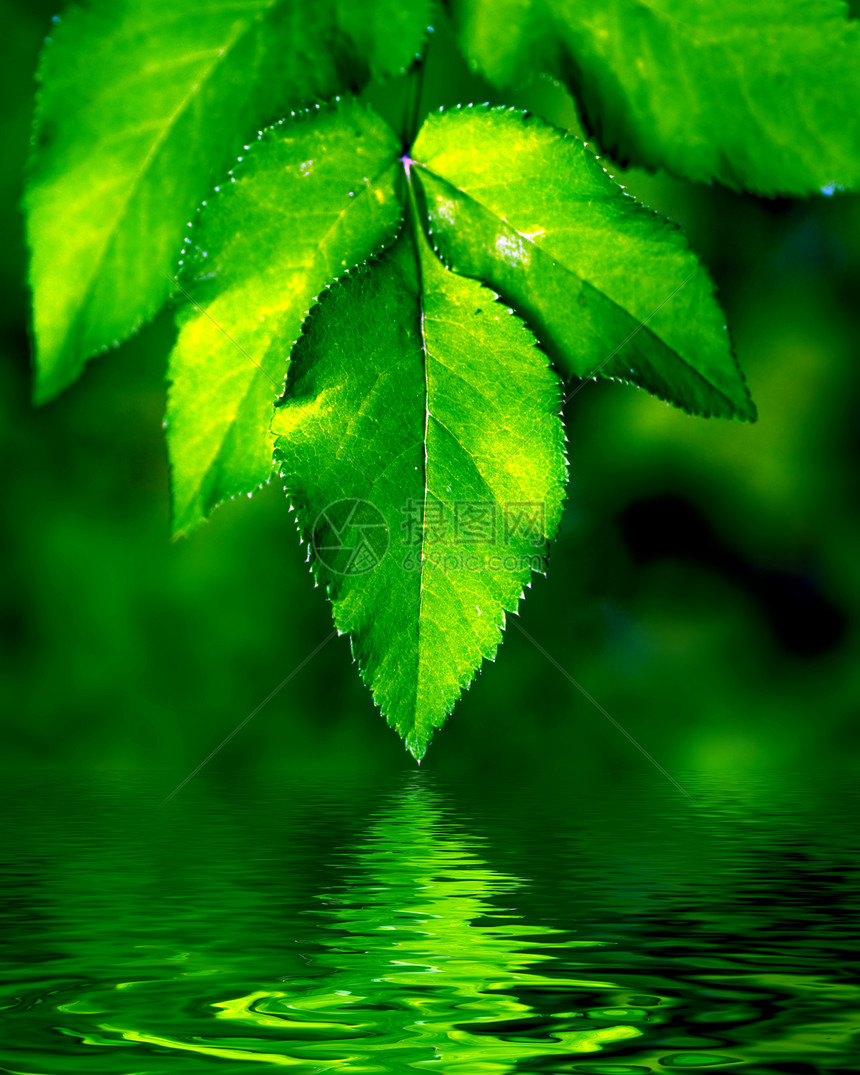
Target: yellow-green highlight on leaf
608,287
142,105
311,198
761,95
421,446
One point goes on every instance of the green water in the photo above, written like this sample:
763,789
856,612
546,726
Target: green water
408,922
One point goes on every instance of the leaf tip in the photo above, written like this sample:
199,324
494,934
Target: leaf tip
51,379
417,746
749,412
185,519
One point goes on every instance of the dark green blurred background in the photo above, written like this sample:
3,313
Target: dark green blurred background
705,588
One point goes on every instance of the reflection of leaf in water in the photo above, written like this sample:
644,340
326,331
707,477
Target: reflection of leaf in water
425,967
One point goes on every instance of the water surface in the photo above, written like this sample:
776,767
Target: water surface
412,922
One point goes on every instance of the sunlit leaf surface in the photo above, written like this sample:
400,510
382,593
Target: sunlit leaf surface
142,106
311,199
759,94
419,434
421,445
608,287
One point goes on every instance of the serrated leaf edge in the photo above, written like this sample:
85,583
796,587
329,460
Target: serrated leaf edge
529,119
412,745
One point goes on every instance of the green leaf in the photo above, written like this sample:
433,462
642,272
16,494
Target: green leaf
311,198
758,94
608,287
421,446
142,106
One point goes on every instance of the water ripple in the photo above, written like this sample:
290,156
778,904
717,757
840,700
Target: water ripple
370,929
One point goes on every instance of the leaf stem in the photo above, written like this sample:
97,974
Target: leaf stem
412,116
